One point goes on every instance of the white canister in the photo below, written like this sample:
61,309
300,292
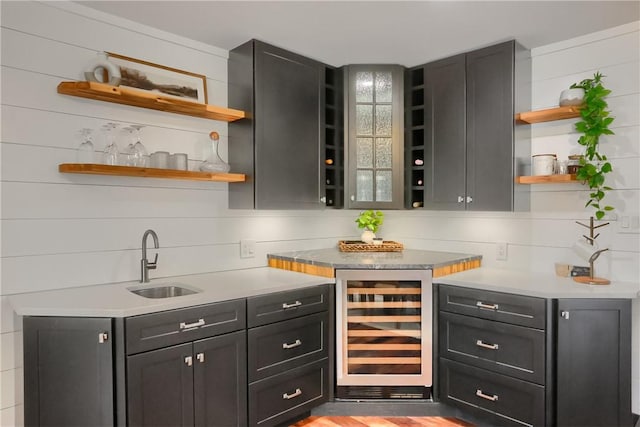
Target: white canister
160,159
543,164
179,161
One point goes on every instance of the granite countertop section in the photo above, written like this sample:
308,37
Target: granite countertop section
115,300
544,285
407,259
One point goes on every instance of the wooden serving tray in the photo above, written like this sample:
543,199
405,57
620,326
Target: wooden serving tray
359,246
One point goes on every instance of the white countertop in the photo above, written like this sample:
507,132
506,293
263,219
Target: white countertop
115,300
542,285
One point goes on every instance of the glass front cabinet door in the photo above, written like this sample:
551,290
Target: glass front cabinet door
375,103
383,329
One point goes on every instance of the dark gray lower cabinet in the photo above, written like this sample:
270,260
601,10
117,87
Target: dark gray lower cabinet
594,363
200,383
195,366
67,361
519,360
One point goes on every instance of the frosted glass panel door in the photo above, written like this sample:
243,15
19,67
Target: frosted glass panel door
384,327
375,129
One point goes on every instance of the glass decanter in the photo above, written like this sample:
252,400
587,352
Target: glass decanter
215,163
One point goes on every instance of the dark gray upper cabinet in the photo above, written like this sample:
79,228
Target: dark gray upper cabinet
470,150
281,145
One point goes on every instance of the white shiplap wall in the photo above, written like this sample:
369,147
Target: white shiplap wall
72,230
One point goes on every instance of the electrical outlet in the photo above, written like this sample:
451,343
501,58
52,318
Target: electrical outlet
501,251
629,224
247,248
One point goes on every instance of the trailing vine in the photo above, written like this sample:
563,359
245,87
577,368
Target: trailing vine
595,123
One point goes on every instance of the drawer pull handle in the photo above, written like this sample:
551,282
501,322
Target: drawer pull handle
197,324
480,304
200,357
296,393
188,360
294,305
492,398
294,344
103,337
479,343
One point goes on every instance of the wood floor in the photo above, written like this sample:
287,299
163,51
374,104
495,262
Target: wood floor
356,421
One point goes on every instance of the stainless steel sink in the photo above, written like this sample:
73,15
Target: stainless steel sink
163,291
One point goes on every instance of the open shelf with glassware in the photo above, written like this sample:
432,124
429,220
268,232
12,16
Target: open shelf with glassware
144,99
144,172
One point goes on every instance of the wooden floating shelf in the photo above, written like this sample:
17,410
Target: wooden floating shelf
551,114
99,169
546,179
144,99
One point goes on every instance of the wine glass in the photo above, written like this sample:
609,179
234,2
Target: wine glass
111,155
129,151
86,151
140,154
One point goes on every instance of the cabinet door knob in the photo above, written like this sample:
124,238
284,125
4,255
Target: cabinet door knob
297,393
323,199
200,357
102,337
564,315
188,360
492,397
460,199
469,199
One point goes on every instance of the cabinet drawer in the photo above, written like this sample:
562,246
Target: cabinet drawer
277,399
281,346
509,349
509,308
504,400
278,306
157,330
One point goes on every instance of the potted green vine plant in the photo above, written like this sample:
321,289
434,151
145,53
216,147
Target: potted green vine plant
369,221
594,123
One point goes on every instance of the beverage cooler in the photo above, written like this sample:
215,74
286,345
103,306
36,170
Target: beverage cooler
383,333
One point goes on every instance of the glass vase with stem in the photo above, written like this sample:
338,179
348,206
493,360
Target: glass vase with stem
111,155
215,162
86,152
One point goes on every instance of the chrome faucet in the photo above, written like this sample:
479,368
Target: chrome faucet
145,265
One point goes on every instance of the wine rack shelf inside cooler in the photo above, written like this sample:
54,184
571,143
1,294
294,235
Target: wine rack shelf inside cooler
384,327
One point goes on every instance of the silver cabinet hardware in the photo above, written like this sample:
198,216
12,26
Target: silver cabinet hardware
469,199
460,199
293,305
323,199
564,315
297,393
480,304
353,198
197,324
294,344
102,337
188,360
492,398
482,344
200,357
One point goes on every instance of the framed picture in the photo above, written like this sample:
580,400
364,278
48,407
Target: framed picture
165,81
